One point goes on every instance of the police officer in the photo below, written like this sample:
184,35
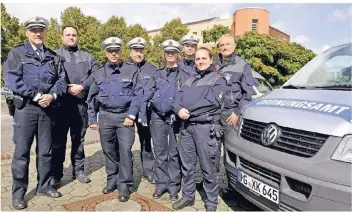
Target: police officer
146,70
239,78
116,93
160,92
79,66
189,43
36,74
198,103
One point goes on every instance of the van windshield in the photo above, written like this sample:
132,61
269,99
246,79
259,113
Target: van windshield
331,69
262,85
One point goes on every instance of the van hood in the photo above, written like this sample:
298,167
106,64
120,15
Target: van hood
323,111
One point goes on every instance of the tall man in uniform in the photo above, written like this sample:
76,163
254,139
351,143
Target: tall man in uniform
239,78
36,75
116,93
146,70
79,66
189,44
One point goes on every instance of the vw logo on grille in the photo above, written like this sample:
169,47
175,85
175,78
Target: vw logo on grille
270,135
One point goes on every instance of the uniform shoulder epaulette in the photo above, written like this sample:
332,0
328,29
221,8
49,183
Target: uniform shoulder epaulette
19,45
159,69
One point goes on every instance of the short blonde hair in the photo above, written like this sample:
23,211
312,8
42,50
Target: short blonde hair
226,36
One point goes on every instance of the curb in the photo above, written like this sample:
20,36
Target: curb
7,156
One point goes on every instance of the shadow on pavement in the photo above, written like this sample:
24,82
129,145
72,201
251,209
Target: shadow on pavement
94,163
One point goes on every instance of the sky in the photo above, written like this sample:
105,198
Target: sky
316,26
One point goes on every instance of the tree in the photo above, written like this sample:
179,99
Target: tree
213,34
171,30
174,30
12,33
53,35
274,59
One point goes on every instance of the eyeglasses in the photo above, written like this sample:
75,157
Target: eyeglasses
113,50
36,30
171,52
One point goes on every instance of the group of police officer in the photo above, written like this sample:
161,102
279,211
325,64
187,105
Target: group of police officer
184,108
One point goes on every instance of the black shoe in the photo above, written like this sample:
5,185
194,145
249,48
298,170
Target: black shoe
158,194
82,178
124,196
150,179
182,203
51,193
174,197
55,183
210,209
19,204
108,189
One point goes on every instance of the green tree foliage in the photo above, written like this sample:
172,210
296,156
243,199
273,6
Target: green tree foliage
174,30
275,60
171,30
12,33
213,34
53,35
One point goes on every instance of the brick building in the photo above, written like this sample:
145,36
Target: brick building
243,20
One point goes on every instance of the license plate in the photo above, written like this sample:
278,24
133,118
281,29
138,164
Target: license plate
258,187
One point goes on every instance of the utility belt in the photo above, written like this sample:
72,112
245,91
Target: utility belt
114,110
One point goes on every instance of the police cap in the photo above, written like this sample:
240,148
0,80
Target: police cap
36,22
136,43
171,45
112,43
191,39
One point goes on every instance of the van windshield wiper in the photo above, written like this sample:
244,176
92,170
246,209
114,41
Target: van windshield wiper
335,87
293,87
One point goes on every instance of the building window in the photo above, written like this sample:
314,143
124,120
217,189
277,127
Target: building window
254,24
195,33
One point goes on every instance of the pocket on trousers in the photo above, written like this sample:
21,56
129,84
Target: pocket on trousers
212,147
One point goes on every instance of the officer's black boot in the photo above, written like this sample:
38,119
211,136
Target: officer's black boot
174,196
150,179
182,203
158,194
82,178
55,183
124,196
210,209
108,189
52,193
19,204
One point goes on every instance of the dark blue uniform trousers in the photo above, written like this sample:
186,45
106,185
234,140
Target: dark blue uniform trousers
29,122
116,142
147,155
72,117
195,140
167,163
226,129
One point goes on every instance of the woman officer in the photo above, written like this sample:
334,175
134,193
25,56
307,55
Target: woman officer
160,92
198,104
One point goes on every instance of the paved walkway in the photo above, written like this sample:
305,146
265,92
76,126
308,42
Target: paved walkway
73,190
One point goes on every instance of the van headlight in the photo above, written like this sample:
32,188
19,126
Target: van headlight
343,151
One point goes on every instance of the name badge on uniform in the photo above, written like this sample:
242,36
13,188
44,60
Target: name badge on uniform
228,76
178,84
126,80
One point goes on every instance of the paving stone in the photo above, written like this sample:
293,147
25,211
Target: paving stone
5,208
58,208
79,193
95,188
94,194
7,194
76,198
65,197
42,200
66,189
57,203
39,207
199,205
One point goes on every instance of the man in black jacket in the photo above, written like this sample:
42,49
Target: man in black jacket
79,66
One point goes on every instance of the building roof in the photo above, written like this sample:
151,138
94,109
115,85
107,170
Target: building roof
190,23
260,8
279,31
